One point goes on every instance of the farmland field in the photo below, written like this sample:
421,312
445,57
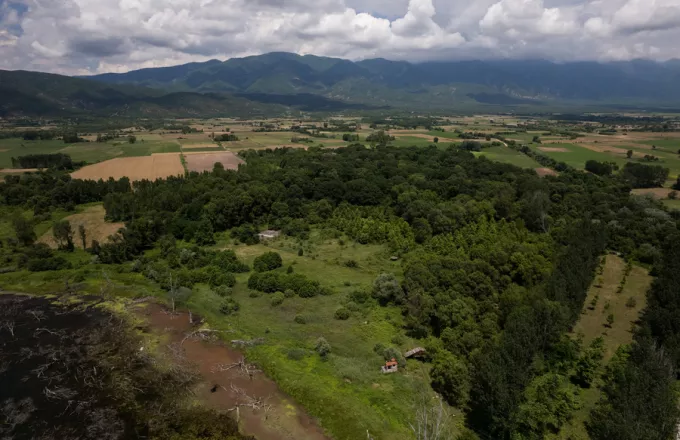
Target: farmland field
96,227
508,155
205,161
156,166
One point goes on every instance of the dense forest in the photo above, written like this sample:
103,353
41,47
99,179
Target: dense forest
497,262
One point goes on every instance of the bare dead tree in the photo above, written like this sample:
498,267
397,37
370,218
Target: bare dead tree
431,419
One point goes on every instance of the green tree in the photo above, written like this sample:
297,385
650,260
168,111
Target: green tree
323,348
204,235
132,139
63,234
386,289
449,377
588,364
629,154
83,235
267,261
23,230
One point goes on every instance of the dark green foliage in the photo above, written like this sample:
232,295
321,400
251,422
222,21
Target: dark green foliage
342,314
204,233
229,306
450,378
588,363
386,289
277,299
300,319
640,398
600,168
227,137
246,233
57,161
296,354
63,235
271,282
223,291
23,230
323,348
267,261
644,176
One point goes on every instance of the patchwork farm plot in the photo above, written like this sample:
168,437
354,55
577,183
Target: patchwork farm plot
200,162
156,166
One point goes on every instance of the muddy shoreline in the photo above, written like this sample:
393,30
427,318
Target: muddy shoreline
262,409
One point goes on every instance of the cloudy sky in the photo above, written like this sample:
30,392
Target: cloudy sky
87,36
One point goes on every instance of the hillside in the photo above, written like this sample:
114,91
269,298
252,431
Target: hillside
43,94
434,84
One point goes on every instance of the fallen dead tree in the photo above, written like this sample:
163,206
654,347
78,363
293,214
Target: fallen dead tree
248,343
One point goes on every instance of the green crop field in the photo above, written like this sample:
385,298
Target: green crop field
576,156
90,152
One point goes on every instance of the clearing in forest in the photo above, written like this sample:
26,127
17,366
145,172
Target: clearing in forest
156,166
205,161
606,297
96,227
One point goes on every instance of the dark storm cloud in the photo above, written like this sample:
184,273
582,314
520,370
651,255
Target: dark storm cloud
98,47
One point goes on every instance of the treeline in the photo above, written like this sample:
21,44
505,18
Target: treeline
57,161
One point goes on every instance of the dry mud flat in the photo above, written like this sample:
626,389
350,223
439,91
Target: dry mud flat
205,161
156,166
263,410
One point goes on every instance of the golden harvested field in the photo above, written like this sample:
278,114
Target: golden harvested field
156,166
554,149
96,227
546,172
657,193
200,145
205,161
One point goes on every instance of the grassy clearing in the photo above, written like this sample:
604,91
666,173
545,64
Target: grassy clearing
593,323
96,227
672,204
508,155
576,156
347,393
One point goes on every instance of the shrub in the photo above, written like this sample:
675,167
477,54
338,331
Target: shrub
290,269
386,289
342,314
223,291
229,306
267,261
309,289
323,348
352,264
300,252
398,339
360,296
379,348
631,303
277,299
254,294
352,306
300,319
296,354
288,293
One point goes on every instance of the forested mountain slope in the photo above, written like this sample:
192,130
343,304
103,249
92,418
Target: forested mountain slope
440,84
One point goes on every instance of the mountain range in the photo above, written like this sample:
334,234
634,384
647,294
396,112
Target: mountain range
278,82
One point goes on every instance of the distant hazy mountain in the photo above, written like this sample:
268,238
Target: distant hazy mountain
432,84
41,94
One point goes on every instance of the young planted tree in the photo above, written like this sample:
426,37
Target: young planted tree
83,235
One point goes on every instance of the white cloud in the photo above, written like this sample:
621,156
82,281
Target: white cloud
68,36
